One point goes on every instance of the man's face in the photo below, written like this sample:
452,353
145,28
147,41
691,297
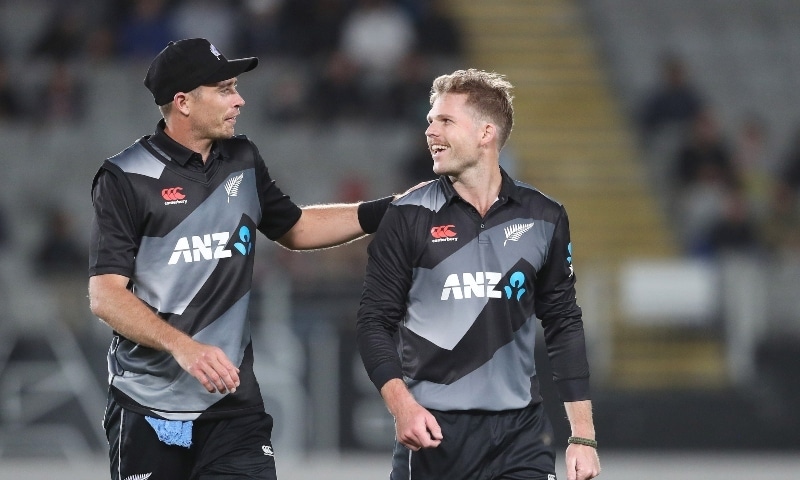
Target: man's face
214,110
453,135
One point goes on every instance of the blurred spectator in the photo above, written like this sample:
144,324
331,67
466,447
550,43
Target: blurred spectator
61,262
336,92
144,28
751,159
704,175
59,254
288,99
259,31
101,45
736,231
438,32
12,104
408,95
64,35
788,181
211,19
62,98
377,35
328,17
785,225
705,156
673,102
312,28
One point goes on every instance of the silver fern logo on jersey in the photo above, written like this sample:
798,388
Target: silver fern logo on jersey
232,186
143,476
515,232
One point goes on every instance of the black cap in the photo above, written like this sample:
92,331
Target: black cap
186,64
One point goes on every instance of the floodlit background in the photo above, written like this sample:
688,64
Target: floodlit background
669,129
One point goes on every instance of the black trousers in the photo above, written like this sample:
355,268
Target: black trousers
509,445
230,448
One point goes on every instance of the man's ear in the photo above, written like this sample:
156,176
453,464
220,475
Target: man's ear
181,103
489,134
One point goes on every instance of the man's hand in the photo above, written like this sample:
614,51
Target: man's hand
209,365
582,462
415,426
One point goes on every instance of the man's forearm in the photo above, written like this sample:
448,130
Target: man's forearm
580,419
396,395
129,316
323,226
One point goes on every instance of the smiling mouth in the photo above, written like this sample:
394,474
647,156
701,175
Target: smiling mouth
437,148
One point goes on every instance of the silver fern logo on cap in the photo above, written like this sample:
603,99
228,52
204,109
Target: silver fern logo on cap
215,51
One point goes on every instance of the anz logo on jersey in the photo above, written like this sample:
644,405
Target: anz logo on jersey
482,285
211,246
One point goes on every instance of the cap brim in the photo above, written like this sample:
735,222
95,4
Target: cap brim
233,68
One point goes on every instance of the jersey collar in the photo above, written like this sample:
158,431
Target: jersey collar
507,188
174,150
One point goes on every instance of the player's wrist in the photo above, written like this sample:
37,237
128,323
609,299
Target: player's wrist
589,442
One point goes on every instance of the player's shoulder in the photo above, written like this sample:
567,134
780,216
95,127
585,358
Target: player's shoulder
135,159
528,193
431,196
238,141
239,146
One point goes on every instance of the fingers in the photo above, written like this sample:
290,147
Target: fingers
435,429
220,375
572,474
582,463
424,433
211,367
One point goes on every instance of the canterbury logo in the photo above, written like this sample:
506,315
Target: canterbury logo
172,194
232,186
515,232
443,233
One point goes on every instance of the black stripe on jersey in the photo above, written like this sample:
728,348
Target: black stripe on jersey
218,293
443,366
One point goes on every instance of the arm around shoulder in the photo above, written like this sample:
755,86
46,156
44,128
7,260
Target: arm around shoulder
323,226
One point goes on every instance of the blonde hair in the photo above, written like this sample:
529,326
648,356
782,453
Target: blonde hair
488,93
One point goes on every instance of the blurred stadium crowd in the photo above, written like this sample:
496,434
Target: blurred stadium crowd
359,56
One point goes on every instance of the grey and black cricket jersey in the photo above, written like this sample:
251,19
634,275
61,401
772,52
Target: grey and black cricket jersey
463,293
186,239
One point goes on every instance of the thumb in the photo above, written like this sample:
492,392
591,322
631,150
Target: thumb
435,429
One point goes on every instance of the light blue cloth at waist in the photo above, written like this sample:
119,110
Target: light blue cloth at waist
172,432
